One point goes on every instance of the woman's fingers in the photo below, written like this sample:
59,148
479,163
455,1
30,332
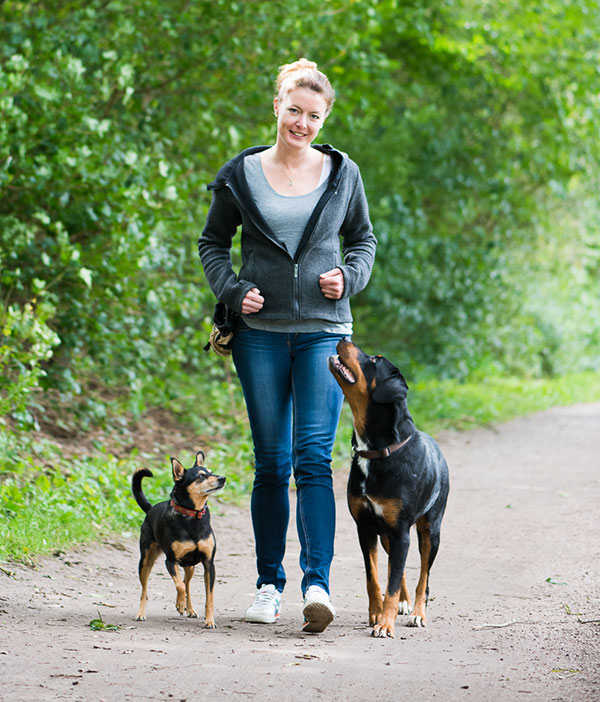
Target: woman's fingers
332,284
253,302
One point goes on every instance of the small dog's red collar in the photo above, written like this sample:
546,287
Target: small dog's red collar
198,513
382,453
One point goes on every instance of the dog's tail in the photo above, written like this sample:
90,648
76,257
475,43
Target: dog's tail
136,486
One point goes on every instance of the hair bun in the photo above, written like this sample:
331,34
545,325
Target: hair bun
287,69
304,74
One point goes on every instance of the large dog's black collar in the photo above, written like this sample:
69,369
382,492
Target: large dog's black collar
382,453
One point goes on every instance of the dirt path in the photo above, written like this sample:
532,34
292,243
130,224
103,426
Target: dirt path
514,613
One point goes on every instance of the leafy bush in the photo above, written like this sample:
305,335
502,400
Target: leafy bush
474,128
26,341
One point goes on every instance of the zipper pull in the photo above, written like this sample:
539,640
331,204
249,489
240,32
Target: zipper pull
295,270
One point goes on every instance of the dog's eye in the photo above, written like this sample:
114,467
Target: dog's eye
373,359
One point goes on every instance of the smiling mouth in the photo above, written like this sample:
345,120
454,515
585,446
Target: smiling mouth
341,369
297,134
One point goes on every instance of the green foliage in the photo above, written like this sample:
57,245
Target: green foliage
26,342
48,503
470,126
447,404
99,624
490,158
92,210
474,130
475,127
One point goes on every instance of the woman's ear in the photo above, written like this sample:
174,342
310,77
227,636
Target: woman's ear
276,106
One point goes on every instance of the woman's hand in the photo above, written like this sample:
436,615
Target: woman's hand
253,302
332,284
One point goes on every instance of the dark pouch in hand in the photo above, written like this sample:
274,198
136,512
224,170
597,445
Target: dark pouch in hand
221,335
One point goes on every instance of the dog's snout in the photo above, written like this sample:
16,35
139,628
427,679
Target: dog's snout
344,341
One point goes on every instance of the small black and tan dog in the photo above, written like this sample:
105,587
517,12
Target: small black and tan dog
398,478
180,528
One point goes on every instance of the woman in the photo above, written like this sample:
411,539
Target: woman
293,201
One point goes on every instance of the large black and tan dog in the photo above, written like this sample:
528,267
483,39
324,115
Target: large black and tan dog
180,528
398,478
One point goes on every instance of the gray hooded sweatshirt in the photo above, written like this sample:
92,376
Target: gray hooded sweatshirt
289,285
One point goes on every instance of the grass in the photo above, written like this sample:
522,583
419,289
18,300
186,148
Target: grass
49,502
436,406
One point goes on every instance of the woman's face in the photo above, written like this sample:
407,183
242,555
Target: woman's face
300,115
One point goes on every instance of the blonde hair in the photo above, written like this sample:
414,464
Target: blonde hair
304,74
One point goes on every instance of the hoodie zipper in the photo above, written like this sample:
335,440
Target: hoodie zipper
314,218
296,291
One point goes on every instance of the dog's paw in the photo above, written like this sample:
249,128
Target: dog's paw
209,625
192,614
382,632
140,618
417,622
374,618
404,607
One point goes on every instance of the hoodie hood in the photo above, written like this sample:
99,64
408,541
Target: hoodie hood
228,171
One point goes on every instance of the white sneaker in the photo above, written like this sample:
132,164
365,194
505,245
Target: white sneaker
266,606
318,611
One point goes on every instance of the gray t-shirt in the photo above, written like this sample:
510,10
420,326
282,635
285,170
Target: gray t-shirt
287,216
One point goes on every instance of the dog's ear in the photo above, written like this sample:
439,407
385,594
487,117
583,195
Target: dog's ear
390,384
199,458
178,469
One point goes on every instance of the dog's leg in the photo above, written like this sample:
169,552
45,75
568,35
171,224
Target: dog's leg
173,570
187,579
404,605
397,548
367,537
368,544
429,541
149,554
209,586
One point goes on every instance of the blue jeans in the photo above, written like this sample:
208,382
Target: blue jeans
294,406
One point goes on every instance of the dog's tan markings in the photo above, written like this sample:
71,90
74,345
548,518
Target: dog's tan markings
357,393
200,490
182,548
197,496
386,624
188,575
418,615
385,542
373,589
356,506
206,546
391,602
180,587
209,617
387,508
149,560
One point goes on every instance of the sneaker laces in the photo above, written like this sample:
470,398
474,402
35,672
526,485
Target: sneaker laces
265,597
